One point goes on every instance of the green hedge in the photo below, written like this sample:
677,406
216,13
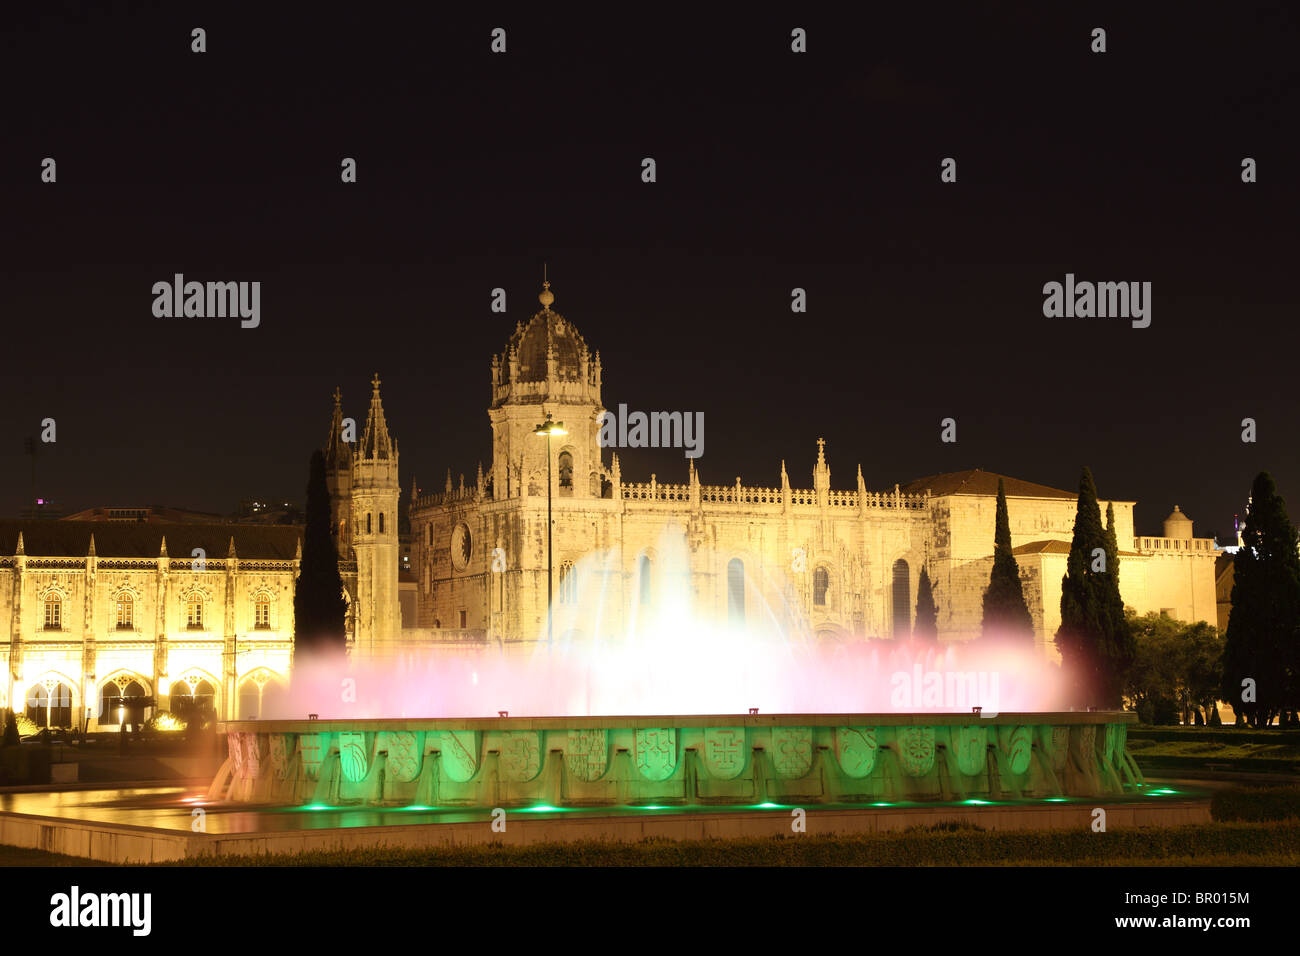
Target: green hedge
1265,803
1215,844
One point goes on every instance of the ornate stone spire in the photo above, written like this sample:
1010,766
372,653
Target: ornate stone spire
90,552
546,296
375,442
338,454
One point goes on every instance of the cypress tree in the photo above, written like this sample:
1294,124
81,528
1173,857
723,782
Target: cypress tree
1096,644
319,609
926,627
1005,612
1261,641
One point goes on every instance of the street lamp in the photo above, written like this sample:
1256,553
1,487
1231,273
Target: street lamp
549,428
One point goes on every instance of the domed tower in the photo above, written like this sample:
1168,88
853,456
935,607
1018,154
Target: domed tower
1178,525
546,367
375,490
338,476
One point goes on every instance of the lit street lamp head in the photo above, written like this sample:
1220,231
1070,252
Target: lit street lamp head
549,427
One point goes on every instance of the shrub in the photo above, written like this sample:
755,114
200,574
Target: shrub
165,722
1255,805
26,726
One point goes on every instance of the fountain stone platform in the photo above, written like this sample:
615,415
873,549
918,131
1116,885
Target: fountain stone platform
666,761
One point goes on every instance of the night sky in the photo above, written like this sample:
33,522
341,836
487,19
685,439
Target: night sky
775,170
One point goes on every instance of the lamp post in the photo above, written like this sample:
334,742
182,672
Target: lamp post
549,428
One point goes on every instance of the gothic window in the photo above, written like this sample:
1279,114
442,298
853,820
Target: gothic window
566,473
902,594
50,706
821,583
125,611
116,706
736,592
462,619
53,612
190,703
568,584
262,611
381,522
194,612
643,579
367,522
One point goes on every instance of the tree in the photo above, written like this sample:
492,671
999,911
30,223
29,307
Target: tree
1096,644
926,627
1262,637
10,720
1005,612
319,609
1175,674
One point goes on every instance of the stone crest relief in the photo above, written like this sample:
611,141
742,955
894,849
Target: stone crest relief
969,747
855,749
1017,745
586,755
792,751
521,755
460,754
404,755
724,752
313,748
352,754
235,747
656,752
281,750
915,747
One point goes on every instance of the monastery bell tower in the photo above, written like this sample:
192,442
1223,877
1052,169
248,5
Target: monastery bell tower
546,367
375,490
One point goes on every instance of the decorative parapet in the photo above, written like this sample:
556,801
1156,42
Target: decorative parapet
1145,545
799,497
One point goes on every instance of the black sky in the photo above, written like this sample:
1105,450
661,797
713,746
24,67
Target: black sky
775,170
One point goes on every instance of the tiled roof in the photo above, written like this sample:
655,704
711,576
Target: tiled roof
71,539
976,481
1056,546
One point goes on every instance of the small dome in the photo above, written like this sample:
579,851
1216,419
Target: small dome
1178,525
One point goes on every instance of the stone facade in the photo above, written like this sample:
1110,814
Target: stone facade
836,564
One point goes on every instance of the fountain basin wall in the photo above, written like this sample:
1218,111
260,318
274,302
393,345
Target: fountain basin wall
675,760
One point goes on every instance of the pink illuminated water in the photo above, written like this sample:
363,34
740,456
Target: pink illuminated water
669,656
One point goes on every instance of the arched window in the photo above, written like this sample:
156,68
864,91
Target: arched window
902,596
194,611
125,611
53,612
190,702
381,522
821,582
116,706
736,592
50,706
568,584
565,472
262,611
643,579
261,695
367,522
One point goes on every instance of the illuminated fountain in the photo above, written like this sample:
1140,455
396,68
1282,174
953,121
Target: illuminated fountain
681,708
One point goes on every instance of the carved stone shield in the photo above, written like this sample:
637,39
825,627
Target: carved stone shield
855,749
404,754
460,750
353,756
281,750
1017,745
916,750
586,754
235,745
655,749
792,751
970,748
521,755
725,754
1055,745
313,747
